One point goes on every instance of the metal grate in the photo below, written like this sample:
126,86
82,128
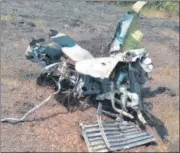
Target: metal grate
120,135
113,135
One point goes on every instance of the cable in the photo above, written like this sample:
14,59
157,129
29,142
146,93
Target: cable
17,120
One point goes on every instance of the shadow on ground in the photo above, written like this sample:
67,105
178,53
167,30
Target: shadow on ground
66,99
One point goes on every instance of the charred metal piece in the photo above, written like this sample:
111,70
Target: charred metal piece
113,135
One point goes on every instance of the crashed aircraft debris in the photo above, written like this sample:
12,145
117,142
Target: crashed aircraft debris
117,79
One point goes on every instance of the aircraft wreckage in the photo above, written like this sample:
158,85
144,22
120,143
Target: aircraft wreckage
117,79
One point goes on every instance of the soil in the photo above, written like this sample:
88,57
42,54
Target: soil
51,128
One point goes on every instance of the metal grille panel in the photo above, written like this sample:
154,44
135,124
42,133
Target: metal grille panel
120,135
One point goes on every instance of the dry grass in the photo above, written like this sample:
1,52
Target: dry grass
154,13
8,18
39,21
10,82
162,147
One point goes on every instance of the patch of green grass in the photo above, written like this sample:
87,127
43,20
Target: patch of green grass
155,8
170,7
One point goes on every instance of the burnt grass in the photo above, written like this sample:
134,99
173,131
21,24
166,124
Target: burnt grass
52,128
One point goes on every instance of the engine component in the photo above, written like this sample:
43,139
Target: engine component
113,103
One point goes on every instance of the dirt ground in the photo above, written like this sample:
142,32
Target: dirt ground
51,128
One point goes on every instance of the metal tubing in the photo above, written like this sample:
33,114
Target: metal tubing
131,141
134,144
115,128
113,104
126,138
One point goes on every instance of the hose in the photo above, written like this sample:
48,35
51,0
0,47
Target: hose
110,114
17,120
46,68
